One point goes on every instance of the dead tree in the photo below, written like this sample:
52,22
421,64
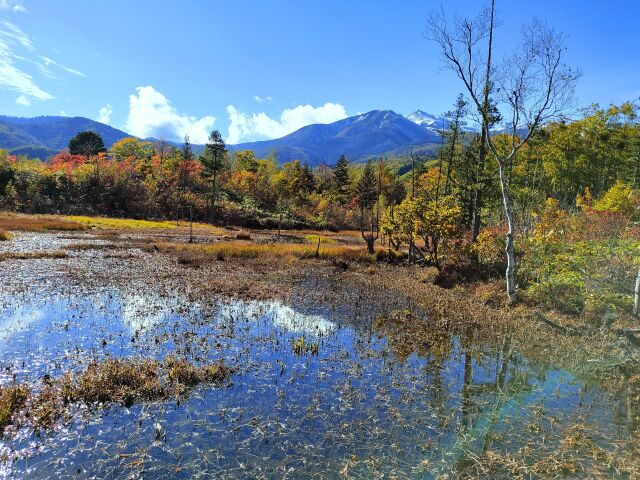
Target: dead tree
529,88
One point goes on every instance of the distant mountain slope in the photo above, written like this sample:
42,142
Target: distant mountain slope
45,136
376,133
435,123
358,137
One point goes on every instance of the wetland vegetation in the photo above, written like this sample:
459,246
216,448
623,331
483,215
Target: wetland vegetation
471,314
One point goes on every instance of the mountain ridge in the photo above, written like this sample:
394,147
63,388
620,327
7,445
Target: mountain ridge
358,137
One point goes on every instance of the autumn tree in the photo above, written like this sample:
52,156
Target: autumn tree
245,160
131,147
531,87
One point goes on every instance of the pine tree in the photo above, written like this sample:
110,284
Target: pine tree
213,163
187,153
341,182
367,193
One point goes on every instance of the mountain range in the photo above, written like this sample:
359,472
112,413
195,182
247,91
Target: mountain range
375,133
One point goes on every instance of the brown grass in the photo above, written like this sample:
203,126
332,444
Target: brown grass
124,381
119,381
12,399
36,223
229,250
31,255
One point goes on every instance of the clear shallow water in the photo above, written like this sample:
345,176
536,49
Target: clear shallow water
372,403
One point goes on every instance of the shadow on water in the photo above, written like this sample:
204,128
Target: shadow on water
314,391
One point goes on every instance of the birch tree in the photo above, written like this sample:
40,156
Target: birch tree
529,88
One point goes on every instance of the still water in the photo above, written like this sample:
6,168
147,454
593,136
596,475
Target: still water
384,397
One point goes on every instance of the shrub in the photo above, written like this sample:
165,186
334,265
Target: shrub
488,250
620,198
563,292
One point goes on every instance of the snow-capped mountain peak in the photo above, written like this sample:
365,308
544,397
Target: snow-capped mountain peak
435,123
423,118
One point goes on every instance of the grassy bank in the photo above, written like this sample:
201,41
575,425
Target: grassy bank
191,253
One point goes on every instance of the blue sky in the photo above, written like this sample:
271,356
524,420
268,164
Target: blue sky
260,69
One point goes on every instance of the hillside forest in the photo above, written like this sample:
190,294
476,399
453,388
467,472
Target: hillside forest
574,185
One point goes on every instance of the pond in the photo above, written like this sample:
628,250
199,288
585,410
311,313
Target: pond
315,391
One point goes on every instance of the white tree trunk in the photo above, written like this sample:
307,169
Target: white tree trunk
636,295
510,240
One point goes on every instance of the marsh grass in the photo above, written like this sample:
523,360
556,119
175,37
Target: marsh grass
37,223
4,235
273,251
301,345
128,224
313,239
32,255
12,399
575,454
121,381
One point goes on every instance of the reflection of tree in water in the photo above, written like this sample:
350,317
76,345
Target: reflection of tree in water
407,334
475,389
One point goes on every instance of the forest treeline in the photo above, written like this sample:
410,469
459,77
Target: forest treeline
574,187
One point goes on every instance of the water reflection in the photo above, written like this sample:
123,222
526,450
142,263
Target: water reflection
402,398
281,316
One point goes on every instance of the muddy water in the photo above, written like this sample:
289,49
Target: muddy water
380,399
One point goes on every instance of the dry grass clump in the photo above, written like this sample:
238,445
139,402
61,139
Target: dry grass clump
31,255
130,381
12,399
124,381
4,235
37,223
120,381
182,375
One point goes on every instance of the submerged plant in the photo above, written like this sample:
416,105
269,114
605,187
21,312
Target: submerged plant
300,346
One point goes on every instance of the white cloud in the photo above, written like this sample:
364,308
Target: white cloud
260,99
104,115
13,34
151,115
12,77
23,100
7,4
243,126
63,113
47,61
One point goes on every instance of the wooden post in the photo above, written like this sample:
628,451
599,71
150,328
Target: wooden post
190,224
